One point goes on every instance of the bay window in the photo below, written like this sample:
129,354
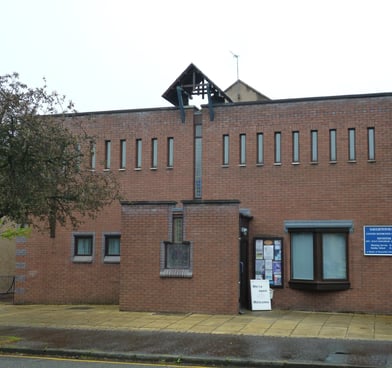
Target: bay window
319,255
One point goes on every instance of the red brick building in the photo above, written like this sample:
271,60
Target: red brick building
294,191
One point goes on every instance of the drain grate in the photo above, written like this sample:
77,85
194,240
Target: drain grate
345,359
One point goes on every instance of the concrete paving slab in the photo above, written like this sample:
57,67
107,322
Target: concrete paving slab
333,332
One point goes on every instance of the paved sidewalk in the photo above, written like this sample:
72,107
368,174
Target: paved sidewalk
275,323
254,339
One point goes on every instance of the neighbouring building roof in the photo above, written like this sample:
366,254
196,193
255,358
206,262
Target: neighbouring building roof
239,91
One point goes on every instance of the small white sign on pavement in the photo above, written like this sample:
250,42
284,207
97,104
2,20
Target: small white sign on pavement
260,294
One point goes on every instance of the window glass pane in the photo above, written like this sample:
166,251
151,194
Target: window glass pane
83,246
332,145
260,148
138,153
351,144
334,256
225,150
112,246
198,166
302,256
154,153
92,155
107,154
123,153
242,149
177,229
295,146
177,255
198,131
277,148
314,143
170,152
371,149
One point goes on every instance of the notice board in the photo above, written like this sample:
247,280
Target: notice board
260,295
269,260
377,240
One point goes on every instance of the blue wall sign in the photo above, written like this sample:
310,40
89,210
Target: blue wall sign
377,240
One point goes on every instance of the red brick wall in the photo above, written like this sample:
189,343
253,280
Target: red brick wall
358,191
45,270
212,229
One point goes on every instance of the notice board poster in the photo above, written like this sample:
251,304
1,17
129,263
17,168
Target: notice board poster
377,240
269,260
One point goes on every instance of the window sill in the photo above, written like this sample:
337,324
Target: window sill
371,161
179,273
259,165
242,165
333,162
153,168
82,259
320,286
314,162
138,169
277,164
351,161
121,169
296,163
225,166
106,169
111,259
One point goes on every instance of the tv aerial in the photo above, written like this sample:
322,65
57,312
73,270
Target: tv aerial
236,56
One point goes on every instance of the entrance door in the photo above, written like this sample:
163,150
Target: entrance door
244,262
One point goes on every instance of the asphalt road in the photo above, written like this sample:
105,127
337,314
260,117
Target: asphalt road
205,349
12,361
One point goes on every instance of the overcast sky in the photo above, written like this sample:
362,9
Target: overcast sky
124,54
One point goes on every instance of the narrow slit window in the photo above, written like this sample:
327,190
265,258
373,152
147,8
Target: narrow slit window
242,149
314,146
123,153
260,148
93,155
177,228
154,153
278,158
170,152
332,145
108,145
295,147
198,161
351,144
138,163
371,145
226,143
